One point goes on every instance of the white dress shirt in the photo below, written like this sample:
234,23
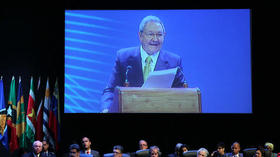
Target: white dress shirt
144,55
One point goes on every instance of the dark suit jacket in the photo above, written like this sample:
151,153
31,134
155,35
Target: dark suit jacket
132,57
50,154
3,151
231,155
93,152
30,154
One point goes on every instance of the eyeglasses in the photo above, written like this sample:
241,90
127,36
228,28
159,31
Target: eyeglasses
142,145
116,152
151,35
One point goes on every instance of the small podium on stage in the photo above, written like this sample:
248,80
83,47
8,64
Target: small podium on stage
156,100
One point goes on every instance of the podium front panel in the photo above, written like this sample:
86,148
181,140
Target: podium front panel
156,100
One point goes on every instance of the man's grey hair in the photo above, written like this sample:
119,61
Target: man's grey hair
178,146
234,144
203,150
149,19
119,147
37,142
154,148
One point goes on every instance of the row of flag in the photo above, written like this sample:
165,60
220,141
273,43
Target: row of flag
20,127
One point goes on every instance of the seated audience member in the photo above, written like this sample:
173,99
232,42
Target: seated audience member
46,151
270,147
143,145
86,143
235,147
259,152
202,152
220,152
154,151
177,152
118,151
36,150
143,149
74,150
184,148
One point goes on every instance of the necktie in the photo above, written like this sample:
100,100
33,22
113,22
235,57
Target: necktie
147,68
87,152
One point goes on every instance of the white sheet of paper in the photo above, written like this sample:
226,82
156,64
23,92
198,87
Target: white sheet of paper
160,79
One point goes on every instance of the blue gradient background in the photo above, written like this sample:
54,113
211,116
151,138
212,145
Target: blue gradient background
215,47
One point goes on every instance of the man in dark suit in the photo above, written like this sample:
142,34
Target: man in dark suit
142,59
235,147
74,150
87,148
46,151
37,150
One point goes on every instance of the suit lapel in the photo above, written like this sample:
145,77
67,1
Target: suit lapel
135,76
162,62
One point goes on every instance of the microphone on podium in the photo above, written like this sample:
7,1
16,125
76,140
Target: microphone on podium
126,83
185,85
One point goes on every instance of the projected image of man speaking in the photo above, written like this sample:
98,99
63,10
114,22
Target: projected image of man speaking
135,63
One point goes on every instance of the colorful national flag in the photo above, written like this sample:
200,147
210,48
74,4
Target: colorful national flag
56,94
3,117
39,115
39,122
46,129
31,116
11,117
53,116
21,121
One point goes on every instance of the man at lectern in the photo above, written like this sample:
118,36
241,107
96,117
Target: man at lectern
134,64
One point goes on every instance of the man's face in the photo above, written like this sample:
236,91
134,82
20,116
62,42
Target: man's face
143,145
258,153
154,153
269,148
86,143
152,37
221,150
117,153
235,148
201,154
184,149
74,153
45,146
37,147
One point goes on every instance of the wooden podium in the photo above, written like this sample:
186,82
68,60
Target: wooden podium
156,100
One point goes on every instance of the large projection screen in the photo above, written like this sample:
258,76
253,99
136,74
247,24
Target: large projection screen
215,46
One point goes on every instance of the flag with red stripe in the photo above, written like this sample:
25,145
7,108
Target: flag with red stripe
39,116
46,110
53,116
39,122
31,115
